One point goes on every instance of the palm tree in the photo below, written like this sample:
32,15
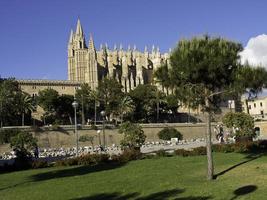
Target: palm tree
26,105
126,106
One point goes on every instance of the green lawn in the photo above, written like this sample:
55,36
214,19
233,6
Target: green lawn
158,178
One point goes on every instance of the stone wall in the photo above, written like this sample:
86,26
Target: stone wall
65,137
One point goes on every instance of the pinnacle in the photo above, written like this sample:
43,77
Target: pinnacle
71,36
79,30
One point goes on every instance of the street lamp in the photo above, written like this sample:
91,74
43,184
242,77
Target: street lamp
75,106
103,114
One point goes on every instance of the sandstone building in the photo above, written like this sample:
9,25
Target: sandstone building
88,65
130,67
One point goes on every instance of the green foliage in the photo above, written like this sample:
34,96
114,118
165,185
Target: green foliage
147,99
198,151
133,135
257,77
162,153
39,164
242,123
22,144
7,134
58,108
127,155
204,68
47,99
64,109
85,138
10,102
163,77
87,159
109,93
168,133
259,146
182,152
126,107
23,140
172,103
87,100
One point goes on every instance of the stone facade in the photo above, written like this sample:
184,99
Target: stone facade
32,87
130,67
257,107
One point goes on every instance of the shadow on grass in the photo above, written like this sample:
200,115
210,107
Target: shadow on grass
74,171
13,186
250,157
244,191
135,196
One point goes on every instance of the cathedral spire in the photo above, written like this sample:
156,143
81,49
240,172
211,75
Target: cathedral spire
91,43
71,37
79,30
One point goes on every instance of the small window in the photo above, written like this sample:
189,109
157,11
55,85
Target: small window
261,112
249,106
261,104
254,105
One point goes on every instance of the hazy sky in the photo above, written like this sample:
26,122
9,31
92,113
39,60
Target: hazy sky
34,34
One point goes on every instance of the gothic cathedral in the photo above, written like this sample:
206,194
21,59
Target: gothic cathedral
130,67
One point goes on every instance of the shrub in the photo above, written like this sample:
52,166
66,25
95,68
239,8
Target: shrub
223,148
22,144
85,138
7,134
162,153
133,135
87,159
242,125
182,152
199,151
130,154
168,133
93,159
243,147
39,164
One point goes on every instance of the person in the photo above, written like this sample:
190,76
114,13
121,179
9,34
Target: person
36,152
219,133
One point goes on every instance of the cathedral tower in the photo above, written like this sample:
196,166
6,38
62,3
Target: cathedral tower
129,67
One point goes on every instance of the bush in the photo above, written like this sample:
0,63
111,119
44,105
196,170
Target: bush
162,153
243,147
133,135
223,148
93,159
22,144
168,133
242,125
7,134
182,152
199,151
128,155
67,162
87,159
39,164
85,138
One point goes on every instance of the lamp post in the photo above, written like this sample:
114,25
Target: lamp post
99,138
103,114
75,106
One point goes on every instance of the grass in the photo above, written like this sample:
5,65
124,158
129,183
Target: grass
239,177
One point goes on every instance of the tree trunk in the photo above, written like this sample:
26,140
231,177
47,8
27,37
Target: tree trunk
246,102
22,119
70,119
210,169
